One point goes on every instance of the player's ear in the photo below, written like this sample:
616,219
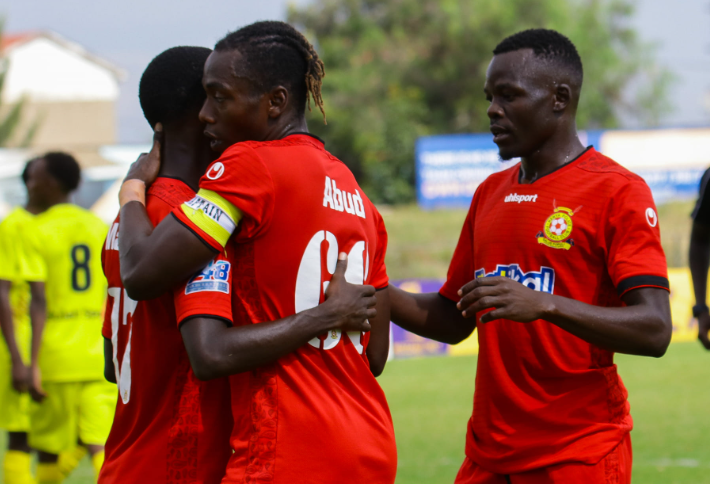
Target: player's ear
278,101
563,94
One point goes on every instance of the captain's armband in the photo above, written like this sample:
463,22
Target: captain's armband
213,214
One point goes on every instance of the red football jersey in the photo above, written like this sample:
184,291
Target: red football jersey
318,414
169,427
587,231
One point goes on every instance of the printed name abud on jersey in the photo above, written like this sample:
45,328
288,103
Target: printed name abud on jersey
340,200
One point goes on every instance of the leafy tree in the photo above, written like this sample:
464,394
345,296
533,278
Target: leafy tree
400,69
10,120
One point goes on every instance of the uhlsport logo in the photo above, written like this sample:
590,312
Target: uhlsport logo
214,277
542,280
515,198
558,228
215,171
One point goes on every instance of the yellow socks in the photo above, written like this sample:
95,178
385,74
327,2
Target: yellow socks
97,460
17,468
68,461
49,474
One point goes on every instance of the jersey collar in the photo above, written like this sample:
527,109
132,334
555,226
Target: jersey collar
587,151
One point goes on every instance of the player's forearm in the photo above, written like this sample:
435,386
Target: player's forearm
38,318
133,237
699,259
429,315
643,327
7,324
216,351
155,260
379,344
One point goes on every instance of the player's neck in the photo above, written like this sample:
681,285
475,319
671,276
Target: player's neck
186,156
291,125
555,152
52,200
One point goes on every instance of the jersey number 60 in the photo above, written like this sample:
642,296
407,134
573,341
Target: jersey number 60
309,288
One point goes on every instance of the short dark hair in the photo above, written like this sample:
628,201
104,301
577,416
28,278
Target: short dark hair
275,54
26,170
171,85
546,44
64,168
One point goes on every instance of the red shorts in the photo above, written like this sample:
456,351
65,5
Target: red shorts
615,468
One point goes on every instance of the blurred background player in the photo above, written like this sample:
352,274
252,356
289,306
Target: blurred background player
15,350
167,422
699,259
74,403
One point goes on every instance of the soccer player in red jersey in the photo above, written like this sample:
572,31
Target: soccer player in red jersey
560,259
169,427
310,409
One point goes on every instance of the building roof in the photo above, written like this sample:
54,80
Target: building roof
12,41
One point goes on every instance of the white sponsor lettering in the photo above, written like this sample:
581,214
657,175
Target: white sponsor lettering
515,198
112,238
341,200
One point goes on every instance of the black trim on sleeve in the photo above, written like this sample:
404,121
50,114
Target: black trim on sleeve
226,321
382,288
641,281
199,237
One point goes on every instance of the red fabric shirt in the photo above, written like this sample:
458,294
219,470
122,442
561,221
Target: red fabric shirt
318,414
587,231
169,427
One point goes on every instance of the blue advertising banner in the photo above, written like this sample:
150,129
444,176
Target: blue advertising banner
450,167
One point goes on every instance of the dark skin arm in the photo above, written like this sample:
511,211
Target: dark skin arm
216,350
20,371
643,327
38,318
154,259
699,258
430,315
379,346
109,370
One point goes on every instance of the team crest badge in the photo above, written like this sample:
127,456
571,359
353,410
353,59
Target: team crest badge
558,228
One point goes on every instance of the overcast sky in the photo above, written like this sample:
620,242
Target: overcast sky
131,32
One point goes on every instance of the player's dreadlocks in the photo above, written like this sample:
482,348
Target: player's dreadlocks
275,54
64,168
171,85
546,44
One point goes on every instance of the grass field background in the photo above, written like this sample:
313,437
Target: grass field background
431,398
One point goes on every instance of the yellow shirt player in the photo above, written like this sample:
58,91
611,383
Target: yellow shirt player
63,247
15,345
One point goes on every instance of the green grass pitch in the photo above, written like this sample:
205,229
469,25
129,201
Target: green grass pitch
430,399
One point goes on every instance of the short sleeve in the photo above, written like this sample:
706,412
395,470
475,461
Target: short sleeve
32,265
632,239
8,259
236,191
461,268
379,278
701,212
208,293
